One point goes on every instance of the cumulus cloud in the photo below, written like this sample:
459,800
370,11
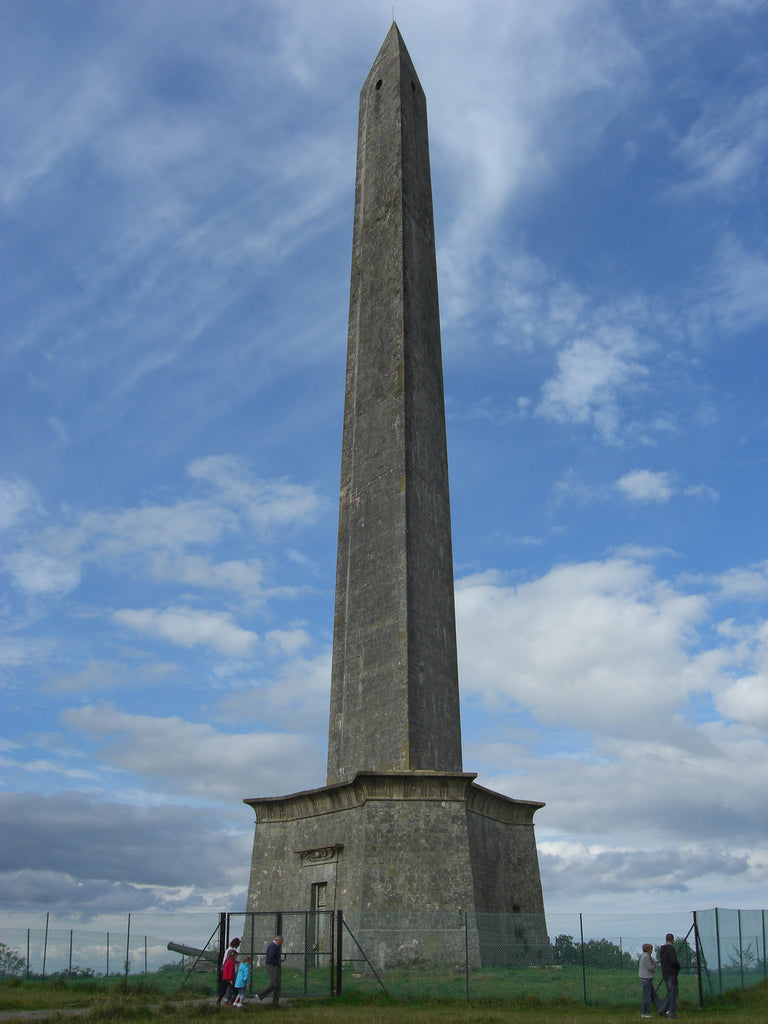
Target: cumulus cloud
17,497
265,503
745,698
591,372
179,756
571,868
645,486
622,702
161,539
245,577
595,644
745,583
73,852
99,675
190,627
38,573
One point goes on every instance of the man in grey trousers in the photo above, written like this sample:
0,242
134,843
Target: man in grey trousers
274,964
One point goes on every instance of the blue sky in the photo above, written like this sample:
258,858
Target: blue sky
177,195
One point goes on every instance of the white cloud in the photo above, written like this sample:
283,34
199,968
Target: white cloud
644,485
745,583
507,123
725,147
39,573
189,627
294,697
264,503
591,372
745,698
165,527
17,497
74,853
595,645
574,872
193,758
243,577
737,286
158,537
99,675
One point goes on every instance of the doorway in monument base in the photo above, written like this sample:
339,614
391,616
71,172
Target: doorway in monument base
318,923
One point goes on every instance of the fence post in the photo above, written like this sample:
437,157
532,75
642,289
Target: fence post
252,948
339,950
107,954
222,938
45,943
719,964
741,954
466,950
27,971
332,922
128,950
306,949
698,958
71,933
583,960
145,954
765,956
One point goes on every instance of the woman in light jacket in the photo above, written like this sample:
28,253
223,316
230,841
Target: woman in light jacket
646,970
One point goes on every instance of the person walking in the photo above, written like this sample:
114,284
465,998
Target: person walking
670,968
241,982
646,971
274,964
228,969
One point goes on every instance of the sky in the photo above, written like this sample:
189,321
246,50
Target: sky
177,200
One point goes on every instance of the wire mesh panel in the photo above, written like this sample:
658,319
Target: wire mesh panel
307,948
732,948
582,958
589,959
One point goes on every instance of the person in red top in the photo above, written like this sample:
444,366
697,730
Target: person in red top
228,970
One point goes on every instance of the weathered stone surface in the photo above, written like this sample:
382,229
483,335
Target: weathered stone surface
394,688
398,841
399,829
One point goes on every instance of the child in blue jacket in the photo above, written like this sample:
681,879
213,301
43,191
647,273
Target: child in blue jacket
241,981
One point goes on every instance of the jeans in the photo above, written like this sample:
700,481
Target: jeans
670,1003
649,996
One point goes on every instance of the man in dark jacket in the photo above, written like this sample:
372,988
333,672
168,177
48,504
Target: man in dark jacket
274,964
670,968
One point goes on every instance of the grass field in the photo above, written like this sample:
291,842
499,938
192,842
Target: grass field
119,1004
603,987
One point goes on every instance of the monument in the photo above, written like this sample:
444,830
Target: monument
399,826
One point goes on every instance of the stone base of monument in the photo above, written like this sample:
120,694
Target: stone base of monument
389,848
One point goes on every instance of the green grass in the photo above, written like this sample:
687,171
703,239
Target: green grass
60,993
137,1003
610,987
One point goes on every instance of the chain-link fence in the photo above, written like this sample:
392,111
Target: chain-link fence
48,951
731,949
583,958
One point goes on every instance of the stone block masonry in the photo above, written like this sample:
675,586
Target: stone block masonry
399,828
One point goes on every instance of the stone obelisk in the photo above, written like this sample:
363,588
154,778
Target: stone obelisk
399,825
394,689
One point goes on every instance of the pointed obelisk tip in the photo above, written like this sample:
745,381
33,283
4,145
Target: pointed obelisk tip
394,44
